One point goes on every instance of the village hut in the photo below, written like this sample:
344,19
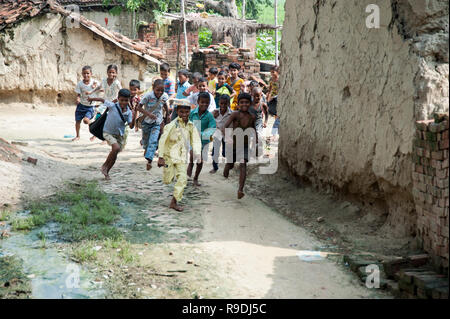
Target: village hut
44,46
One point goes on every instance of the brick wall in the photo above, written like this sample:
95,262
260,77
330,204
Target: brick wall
169,41
211,57
431,187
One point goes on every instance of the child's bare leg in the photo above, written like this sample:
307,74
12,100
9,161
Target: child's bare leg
226,170
110,160
174,205
86,120
242,177
197,174
191,164
77,130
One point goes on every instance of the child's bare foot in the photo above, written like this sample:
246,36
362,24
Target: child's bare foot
105,172
75,139
240,194
213,171
92,138
174,205
149,166
196,183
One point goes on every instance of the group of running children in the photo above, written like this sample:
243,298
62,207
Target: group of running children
179,119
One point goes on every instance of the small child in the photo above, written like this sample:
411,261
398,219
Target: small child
225,69
235,82
119,114
206,125
135,87
169,84
182,85
241,119
110,86
212,79
152,105
272,97
179,136
202,86
84,111
219,141
193,88
222,87
259,109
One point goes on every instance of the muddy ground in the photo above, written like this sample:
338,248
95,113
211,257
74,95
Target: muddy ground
218,247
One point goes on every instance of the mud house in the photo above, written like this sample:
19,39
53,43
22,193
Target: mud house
354,97
123,21
43,47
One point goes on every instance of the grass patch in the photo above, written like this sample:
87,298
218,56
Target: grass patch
5,215
83,211
13,282
85,252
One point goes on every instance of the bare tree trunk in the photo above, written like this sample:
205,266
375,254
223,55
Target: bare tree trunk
226,8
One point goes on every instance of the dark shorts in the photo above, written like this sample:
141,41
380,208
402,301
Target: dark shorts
83,111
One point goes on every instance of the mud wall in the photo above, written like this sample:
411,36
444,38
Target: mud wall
350,96
41,61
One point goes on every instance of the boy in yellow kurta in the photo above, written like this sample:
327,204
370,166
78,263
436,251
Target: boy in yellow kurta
178,138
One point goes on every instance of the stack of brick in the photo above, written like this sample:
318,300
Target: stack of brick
168,44
431,187
212,57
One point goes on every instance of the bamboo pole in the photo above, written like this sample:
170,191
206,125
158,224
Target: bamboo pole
178,48
276,32
185,34
244,35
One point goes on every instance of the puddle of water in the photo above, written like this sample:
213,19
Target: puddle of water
147,219
308,255
52,274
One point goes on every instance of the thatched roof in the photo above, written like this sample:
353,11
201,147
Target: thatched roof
220,24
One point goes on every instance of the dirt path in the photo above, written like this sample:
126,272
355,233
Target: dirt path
244,246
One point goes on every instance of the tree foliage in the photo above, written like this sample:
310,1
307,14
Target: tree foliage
253,7
222,7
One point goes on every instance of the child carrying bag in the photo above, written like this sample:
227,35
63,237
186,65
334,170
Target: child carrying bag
96,127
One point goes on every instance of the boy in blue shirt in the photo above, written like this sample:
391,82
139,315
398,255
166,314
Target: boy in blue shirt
152,105
182,85
169,84
119,114
206,125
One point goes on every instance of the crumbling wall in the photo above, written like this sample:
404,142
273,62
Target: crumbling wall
204,59
431,188
41,61
350,95
167,40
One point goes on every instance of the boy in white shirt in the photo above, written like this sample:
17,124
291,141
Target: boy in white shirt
202,86
85,110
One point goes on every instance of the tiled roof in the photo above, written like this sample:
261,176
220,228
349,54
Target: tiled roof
13,11
16,10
